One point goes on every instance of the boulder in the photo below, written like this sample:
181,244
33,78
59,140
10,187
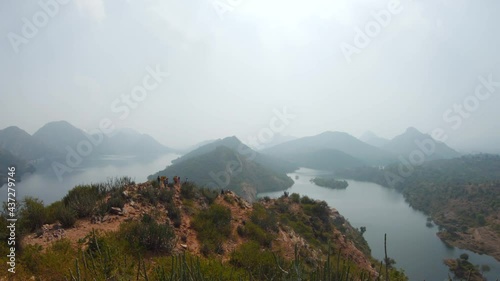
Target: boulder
115,211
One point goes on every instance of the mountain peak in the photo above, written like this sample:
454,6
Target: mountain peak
14,130
413,131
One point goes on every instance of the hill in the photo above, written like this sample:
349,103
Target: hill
225,168
407,142
121,230
346,149
233,143
131,142
8,160
23,145
52,140
230,142
59,135
277,139
324,159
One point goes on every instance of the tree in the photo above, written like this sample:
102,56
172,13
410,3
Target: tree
32,214
464,256
362,230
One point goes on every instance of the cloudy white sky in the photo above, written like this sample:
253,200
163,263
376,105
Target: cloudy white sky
228,73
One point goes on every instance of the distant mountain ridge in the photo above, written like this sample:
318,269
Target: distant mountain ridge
22,145
330,149
412,140
53,139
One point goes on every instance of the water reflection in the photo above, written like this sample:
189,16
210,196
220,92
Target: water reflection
413,245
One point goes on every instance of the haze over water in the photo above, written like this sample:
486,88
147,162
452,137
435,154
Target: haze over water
46,186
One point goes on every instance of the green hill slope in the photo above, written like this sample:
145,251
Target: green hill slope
224,168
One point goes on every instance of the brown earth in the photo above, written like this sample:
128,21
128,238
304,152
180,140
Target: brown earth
481,240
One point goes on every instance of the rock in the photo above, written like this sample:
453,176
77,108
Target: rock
115,211
184,246
123,213
125,193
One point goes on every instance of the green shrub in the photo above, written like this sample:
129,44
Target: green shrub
209,194
148,235
32,214
264,218
165,196
295,197
174,214
213,227
154,184
150,195
256,233
31,256
57,211
188,191
83,199
261,264
306,200
115,201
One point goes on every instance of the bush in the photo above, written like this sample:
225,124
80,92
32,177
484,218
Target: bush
108,252
148,235
83,199
256,233
261,264
150,195
174,214
295,197
115,201
213,227
165,196
188,191
264,218
306,200
57,211
32,214
209,194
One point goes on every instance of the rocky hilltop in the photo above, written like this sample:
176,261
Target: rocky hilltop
147,228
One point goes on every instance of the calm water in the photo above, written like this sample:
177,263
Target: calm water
413,245
46,186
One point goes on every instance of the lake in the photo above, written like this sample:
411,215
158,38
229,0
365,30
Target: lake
413,245
46,186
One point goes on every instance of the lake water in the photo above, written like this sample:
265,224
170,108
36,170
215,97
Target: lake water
46,186
413,245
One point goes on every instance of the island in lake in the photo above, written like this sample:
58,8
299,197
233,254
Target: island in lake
330,182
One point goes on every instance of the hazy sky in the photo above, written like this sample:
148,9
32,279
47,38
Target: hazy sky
231,67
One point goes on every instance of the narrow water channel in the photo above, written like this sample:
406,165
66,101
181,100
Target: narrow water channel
413,244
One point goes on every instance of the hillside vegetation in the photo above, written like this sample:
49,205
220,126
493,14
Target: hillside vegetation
225,168
462,195
120,230
330,183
